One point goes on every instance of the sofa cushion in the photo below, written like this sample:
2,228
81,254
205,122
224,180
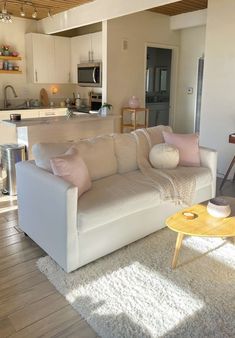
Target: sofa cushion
164,156
71,167
125,150
43,152
155,133
99,156
117,196
188,147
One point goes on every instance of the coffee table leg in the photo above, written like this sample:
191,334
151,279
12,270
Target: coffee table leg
177,249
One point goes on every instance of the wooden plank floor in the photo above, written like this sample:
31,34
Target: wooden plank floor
29,305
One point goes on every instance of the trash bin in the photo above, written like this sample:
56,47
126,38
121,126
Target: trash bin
10,155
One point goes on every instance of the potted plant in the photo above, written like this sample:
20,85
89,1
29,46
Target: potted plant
5,50
105,109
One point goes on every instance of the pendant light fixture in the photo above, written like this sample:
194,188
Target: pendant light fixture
26,9
4,15
22,12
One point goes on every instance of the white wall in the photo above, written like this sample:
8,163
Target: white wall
192,46
126,69
14,35
188,20
218,101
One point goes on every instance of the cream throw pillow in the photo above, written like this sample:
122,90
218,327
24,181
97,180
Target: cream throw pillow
164,156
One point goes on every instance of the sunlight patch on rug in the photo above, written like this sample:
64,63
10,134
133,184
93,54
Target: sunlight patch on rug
134,292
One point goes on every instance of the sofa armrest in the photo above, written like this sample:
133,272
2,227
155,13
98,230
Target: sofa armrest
48,212
209,160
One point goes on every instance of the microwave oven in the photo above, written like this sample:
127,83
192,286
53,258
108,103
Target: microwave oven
90,74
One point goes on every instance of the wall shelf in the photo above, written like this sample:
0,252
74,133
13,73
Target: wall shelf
5,59
10,71
10,58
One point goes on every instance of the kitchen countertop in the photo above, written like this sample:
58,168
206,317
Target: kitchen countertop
29,108
77,118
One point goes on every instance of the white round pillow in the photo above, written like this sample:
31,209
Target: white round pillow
164,156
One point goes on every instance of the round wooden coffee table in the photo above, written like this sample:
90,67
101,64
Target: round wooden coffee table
202,225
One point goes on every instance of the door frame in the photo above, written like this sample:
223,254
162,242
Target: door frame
174,75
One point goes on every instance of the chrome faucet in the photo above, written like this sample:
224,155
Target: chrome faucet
6,103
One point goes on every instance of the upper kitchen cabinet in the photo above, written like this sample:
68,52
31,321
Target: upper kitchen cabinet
47,58
85,48
90,47
62,59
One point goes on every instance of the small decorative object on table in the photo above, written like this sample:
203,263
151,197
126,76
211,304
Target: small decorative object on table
134,102
105,109
218,207
189,215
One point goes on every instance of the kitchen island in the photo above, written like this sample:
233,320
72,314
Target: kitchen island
60,128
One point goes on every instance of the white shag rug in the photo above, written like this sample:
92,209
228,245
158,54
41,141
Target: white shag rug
133,292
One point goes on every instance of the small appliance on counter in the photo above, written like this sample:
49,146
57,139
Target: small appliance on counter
95,101
15,117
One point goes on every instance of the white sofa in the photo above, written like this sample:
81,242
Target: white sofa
120,207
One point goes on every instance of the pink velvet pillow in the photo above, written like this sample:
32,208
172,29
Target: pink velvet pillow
71,167
188,147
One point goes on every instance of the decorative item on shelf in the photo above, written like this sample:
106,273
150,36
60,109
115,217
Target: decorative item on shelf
134,102
218,207
105,109
10,66
15,54
5,50
5,65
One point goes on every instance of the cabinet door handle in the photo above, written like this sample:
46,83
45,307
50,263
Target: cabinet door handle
69,78
49,114
36,76
94,70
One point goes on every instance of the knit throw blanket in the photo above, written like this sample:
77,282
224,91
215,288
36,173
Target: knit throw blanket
172,184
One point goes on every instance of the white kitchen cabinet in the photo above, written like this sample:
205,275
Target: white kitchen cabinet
62,60
6,135
84,48
39,58
28,114
47,58
53,112
90,47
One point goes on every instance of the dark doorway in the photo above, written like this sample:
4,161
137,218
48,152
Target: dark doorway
158,83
